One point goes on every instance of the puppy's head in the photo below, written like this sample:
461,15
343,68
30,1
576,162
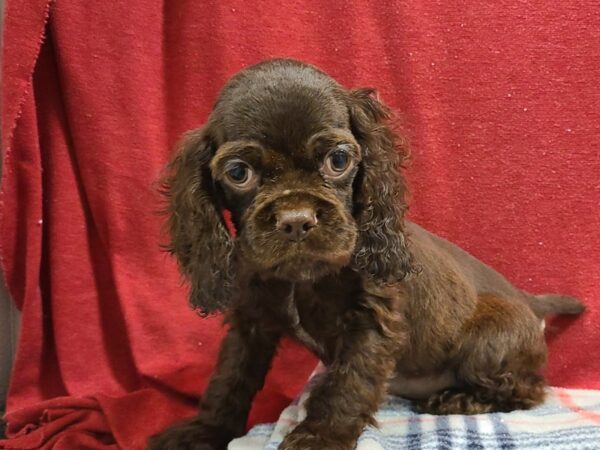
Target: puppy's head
310,174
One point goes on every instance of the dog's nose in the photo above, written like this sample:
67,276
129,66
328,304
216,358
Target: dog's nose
295,224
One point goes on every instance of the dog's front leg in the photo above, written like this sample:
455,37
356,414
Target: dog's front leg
347,397
244,360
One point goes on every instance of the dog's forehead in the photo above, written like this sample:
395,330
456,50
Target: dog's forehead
282,111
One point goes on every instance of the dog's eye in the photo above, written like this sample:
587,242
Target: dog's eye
339,160
337,163
239,174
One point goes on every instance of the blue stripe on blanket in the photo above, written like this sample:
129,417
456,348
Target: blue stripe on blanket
442,429
472,434
414,433
505,439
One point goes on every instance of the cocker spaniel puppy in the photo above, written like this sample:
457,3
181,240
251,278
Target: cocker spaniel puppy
322,252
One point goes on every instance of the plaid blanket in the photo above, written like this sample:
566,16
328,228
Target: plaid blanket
569,419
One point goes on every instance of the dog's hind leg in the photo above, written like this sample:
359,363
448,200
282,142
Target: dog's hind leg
503,393
499,362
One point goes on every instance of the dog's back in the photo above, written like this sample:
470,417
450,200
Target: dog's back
486,280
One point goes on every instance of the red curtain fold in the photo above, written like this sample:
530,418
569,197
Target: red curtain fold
499,99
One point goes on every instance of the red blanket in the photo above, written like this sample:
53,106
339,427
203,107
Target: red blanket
501,103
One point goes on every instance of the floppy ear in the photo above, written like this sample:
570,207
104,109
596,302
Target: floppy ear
379,197
199,237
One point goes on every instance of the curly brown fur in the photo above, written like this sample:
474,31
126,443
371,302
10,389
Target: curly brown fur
381,250
326,256
200,239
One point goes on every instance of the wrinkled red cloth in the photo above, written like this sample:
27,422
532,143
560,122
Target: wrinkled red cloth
500,101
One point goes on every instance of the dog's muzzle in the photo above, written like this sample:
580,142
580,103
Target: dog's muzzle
298,234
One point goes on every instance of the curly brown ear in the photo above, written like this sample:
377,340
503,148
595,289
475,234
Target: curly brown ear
199,237
381,251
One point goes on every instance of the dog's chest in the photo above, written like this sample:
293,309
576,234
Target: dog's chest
299,332
315,313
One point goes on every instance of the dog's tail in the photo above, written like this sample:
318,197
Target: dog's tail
548,304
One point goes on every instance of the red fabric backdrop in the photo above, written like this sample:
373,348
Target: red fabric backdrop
501,101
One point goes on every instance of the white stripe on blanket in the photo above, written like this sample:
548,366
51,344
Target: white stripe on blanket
569,419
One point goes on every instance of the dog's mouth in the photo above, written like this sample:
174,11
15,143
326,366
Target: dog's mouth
307,267
296,261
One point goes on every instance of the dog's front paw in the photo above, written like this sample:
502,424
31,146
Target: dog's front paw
191,435
301,438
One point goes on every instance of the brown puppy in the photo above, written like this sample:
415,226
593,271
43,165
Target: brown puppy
311,174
